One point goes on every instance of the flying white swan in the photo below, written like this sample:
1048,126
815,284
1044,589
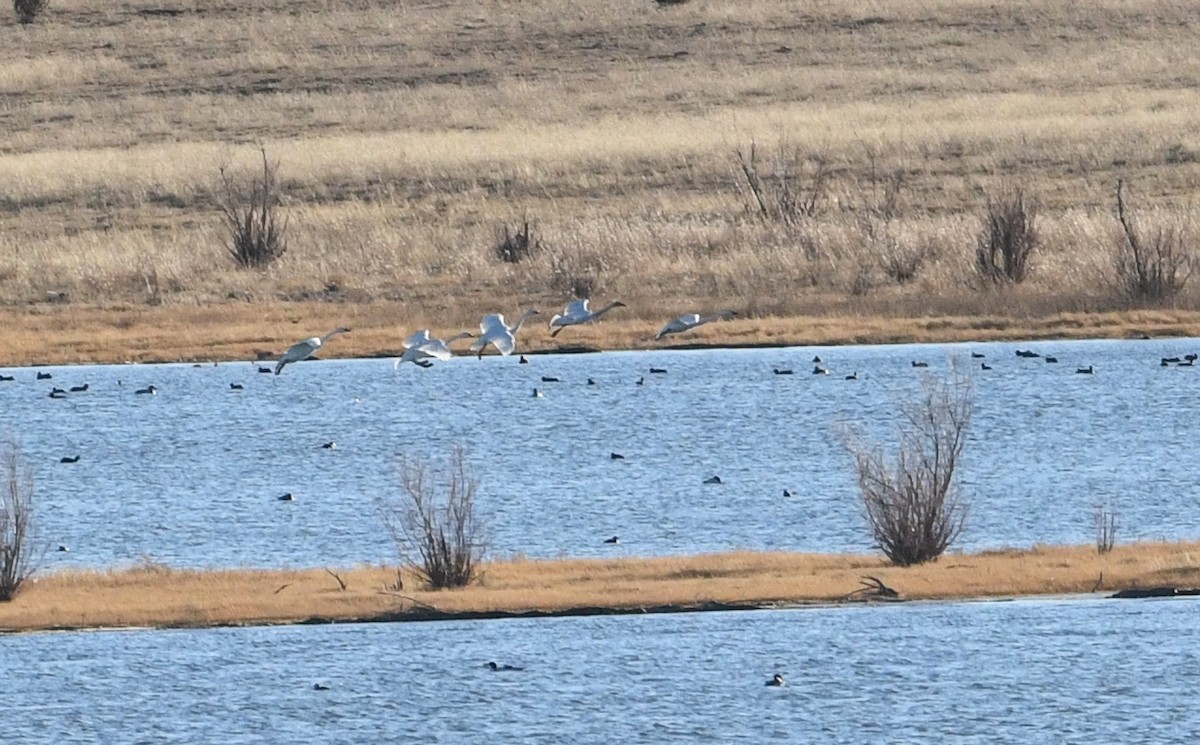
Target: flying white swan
494,331
689,321
420,348
577,312
302,350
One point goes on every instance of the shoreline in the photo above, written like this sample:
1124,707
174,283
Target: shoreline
67,335
156,596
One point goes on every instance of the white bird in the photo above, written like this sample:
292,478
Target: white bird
494,331
302,350
577,312
689,321
420,348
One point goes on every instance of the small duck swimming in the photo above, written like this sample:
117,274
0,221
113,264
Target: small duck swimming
984,366
264,369
818,370
147,391
614,539
57,393
918,363
616,456
236,386
852,376
501,668
536,393
658,370
44,376
319,687
79,388
591,382
331,445
522,360
66,459
776,681
1084,370
286,498
782,371
549,379
713,480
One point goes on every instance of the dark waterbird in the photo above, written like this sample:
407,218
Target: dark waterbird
978,355
522,361
265,370
1027,353
818,370
7,378
1051,360
852,376
658,371
57,393
550,379
331,445
616,456
776,681
1084,370
502,668
66,459
916,363
787,493
817,360
782,371
319,687
984,366
236,386
149,390
286,498
614,539
591,382
44,376
79,388
713,480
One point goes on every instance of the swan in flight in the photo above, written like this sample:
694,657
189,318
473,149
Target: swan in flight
689,321
420,348
577,312
494,331
302,350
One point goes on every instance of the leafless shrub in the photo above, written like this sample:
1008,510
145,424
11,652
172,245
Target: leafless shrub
1007,238
434,525
28,10
912,499
516,246
789,188
251,212
1155,267
1105,522
877,204
18,555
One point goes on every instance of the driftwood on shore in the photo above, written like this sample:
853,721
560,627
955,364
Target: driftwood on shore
873,588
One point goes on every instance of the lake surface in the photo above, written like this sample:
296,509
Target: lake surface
190,476
1030,671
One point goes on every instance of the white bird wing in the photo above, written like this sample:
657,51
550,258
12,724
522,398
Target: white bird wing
577,310
504,342
416,339
493,323
435,348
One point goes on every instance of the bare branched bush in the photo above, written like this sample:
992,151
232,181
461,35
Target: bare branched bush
251,211
877,202
1105,522
434,524
18,555
1151,267
789,188
28,10
1007,238
912,499
515,246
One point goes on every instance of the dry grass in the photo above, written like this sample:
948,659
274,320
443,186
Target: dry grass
153,595
404,153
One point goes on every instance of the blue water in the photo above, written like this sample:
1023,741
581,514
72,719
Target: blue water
190,476
1038,671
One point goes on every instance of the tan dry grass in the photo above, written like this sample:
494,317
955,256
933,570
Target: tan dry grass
153,595
408,135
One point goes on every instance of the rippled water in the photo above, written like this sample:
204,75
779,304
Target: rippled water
1077,671
191,476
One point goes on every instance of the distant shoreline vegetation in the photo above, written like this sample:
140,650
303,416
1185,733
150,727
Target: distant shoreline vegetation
154,595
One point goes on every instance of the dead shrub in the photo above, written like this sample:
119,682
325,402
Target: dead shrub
1105,522
515,246
912,499
434,524
28,10
1151,267
251,212
789,188
18,555
1007,238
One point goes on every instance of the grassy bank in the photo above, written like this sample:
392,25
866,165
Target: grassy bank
153,595
240,332
410,137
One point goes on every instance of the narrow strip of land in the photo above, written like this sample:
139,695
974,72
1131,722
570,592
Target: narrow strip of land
157,596
240,332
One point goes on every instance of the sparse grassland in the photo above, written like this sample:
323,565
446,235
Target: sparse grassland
409,135
155,595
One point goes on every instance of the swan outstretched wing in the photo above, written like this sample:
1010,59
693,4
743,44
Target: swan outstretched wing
492,324
504,342
435,348
416,339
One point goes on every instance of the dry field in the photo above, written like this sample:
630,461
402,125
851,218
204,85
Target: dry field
154,595
410,134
